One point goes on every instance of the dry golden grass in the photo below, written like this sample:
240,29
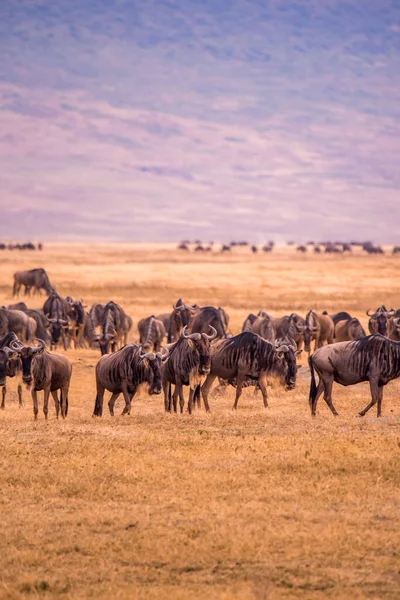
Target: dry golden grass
249,504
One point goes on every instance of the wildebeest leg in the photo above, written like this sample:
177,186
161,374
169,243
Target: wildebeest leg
46,392
56,402
166,387
328,384
3,400
239,384
190,402
128,400
262,383
181,397
316,343
35,404
205,388
20,401
98,406
376,393
320,389
175,398
111,403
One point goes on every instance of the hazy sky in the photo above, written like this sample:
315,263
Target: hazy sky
162,120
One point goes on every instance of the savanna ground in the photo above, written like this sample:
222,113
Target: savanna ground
257,503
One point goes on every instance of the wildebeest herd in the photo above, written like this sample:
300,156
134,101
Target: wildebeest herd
190,346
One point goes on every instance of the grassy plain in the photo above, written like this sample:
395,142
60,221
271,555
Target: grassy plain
253,504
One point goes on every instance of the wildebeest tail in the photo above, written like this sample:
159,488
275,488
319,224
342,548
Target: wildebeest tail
313,384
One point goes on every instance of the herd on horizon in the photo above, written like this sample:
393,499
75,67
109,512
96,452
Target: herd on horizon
199,349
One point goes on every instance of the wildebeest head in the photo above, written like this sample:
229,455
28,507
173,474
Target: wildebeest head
286,351
200,342
26,355
6,356
153,363
56,327
309,330
378,322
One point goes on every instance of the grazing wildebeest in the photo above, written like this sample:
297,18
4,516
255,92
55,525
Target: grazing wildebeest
396,250
123,372
207,317
318,327
90,335
152,333
57,311
317,250
349,330
115,327
18,322
225,248
289,328
13,368
42,323
188,364
249,322
248,356
34,278
264,326
378,322
97,314
77,320
302,249
374,358
8,361
42,370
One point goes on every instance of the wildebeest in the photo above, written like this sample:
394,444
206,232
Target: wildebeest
152,333
188,364
34,278
7,354
97,313
123,372
378,322
290,327
42,323
207,317
374,358
57,311
248,356
249,322
394,328
264,327
181,316
47,372
302,249
77,321
18,322
318,327
349,330
115,327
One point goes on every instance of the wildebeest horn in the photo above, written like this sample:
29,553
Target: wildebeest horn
184,332
368,313
149,355
16,345
195,336
180,307
213,334
391,312
164,355
314,328
9,351
283,348
42,345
